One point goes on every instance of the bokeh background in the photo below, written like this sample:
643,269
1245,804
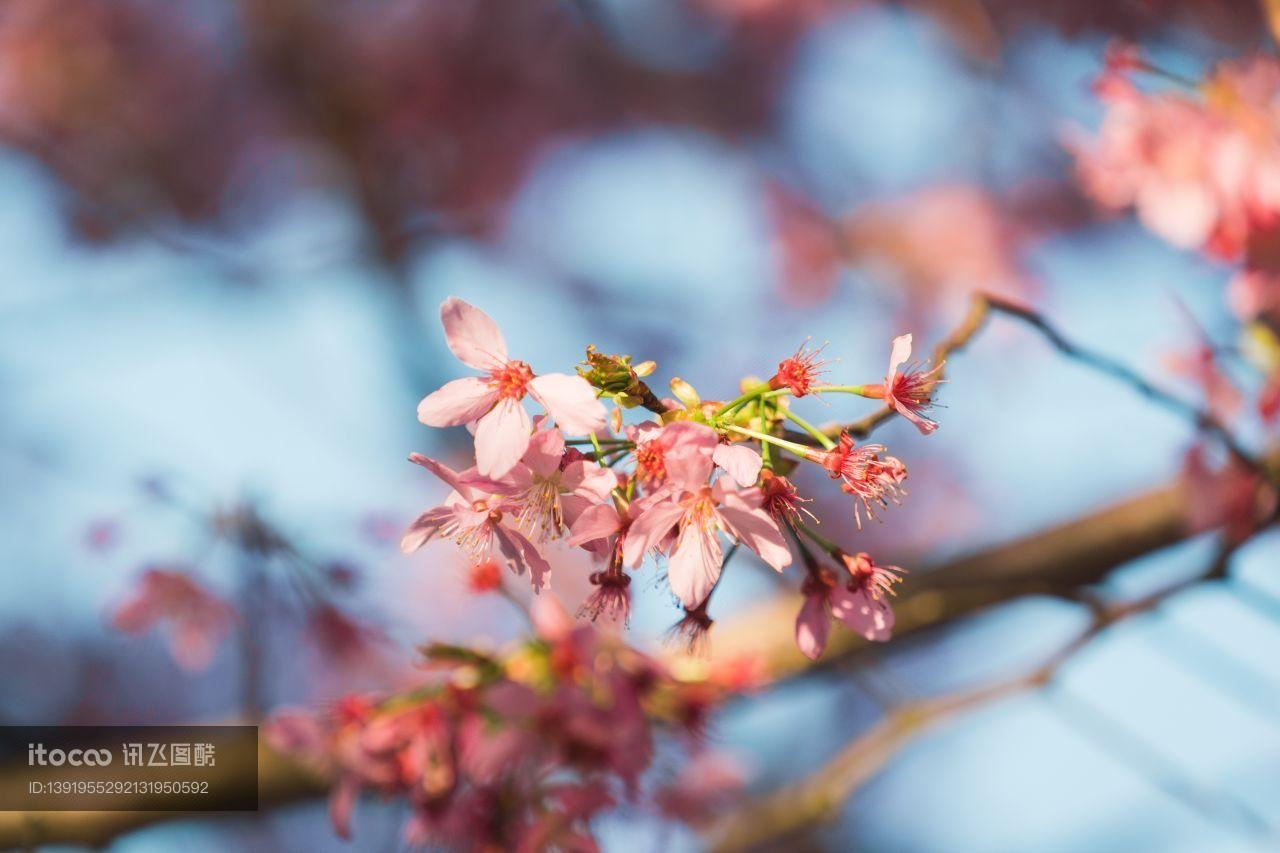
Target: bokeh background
224,232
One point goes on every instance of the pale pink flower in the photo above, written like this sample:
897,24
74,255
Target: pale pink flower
941,244
1200,168
476,520
493,401
553,488
655,443
825,599
197,619
873,480
813,622
908,392
698,510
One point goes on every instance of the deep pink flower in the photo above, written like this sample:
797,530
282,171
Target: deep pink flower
198,620
781,499
477,520
493,401
908,392
799,372
872,479
697,511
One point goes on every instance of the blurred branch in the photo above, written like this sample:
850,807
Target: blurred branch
762,823
1271,11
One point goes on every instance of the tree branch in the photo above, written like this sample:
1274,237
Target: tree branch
764,822
1057,561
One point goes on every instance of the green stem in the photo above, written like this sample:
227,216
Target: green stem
797,449
860,390
733,405
818,434
825,544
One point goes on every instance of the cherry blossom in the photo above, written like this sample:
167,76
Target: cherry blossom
698,511
874,480
493,402
799,372
476,520
909,392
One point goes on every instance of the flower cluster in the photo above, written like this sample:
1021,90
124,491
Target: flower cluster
693,478
519,750
1199,163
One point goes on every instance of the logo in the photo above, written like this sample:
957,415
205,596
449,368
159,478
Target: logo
38,755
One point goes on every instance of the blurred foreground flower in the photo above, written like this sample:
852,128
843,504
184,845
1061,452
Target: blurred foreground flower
517,750
196,619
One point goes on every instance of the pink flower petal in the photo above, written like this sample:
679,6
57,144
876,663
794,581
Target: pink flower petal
598,522
472,335
502,436
688,467
458,402
465,484
758,531
571,401
424,528
546,449
922,423
522,555
695,564
863,613
649,529
813,626
589,480
740,461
